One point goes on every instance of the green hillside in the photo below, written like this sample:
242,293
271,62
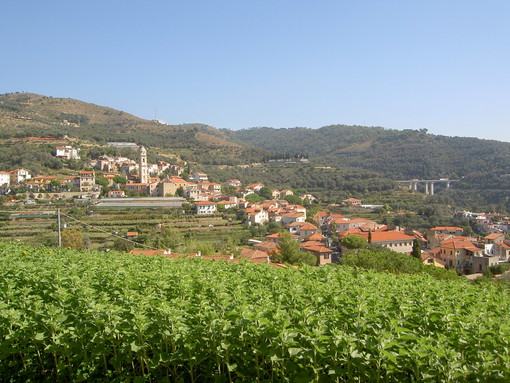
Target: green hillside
482,165
26,115
85,316
363,159
397,154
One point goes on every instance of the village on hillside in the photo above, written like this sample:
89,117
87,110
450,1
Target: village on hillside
321,234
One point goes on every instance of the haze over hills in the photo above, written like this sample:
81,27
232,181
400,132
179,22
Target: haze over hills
483,165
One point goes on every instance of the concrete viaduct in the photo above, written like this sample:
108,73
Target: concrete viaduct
429,184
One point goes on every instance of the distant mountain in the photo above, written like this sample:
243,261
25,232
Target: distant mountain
482,165
26,114
396,154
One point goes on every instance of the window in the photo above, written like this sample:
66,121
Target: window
326,256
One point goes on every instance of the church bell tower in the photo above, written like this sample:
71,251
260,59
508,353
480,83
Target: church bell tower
144,171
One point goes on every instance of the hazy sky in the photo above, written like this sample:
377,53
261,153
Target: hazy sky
443,65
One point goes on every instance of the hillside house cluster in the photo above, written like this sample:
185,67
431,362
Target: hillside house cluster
466,254
442,246
125,166
308,237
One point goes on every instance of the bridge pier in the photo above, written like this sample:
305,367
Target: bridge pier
429,184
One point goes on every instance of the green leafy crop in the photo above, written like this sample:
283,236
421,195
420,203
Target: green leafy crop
67,315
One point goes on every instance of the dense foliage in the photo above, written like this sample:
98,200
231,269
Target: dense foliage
78,316
308,177
383,260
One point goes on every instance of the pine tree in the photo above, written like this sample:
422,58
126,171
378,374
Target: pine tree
289,252
416,253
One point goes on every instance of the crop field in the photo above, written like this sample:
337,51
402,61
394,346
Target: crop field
98,226
85,316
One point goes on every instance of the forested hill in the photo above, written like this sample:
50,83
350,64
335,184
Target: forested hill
28,115
396,154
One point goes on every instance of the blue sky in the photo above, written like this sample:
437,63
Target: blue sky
439,65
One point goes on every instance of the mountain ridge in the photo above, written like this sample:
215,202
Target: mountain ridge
483,165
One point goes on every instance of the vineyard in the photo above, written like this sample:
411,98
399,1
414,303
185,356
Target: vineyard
85,316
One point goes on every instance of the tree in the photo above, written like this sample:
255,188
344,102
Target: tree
254,198
273,227
77,212
354,242
121,244
266,193
55,185
179,192
289,252
102,181
293,199
416,253
73,239
120,180
169,238
228,190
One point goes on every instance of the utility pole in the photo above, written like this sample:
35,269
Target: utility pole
58,229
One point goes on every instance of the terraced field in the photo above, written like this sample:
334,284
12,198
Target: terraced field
99,226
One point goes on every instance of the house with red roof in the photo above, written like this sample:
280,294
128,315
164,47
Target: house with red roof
255,187
306,230
315,237
87,181
257,216
233,182
287,218
268,246
322,252
352,201
465,256
116,194
431,258
19,175
170,185
255,255
276,237
494,238
454,230
205,207
502,250
393,240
